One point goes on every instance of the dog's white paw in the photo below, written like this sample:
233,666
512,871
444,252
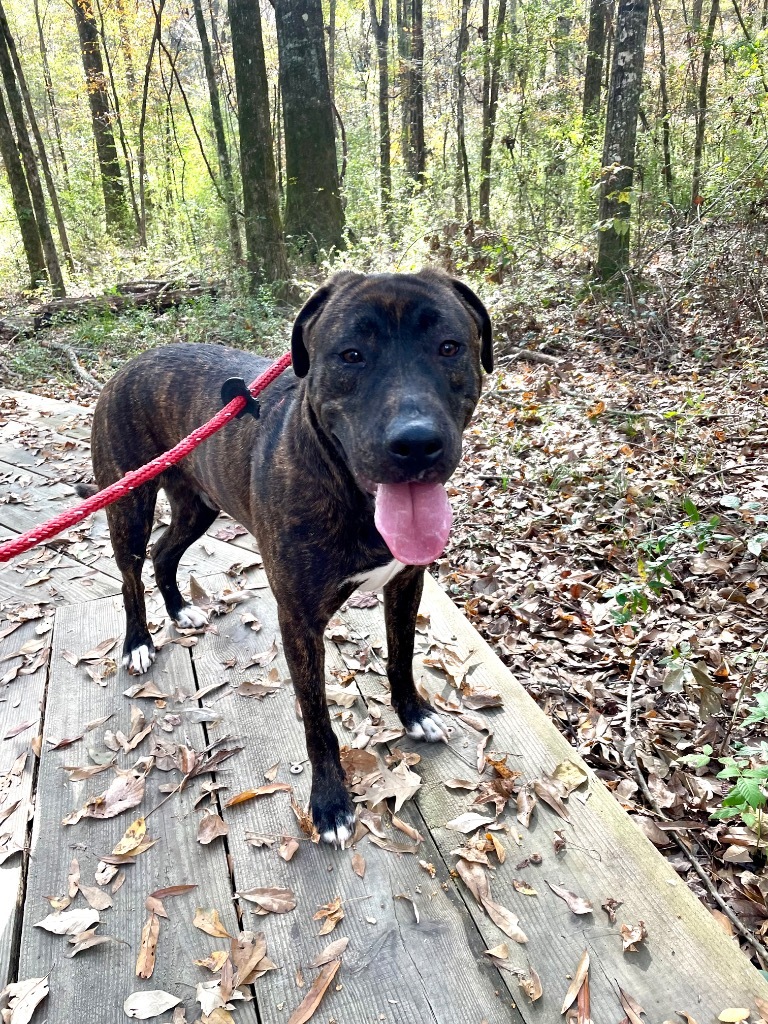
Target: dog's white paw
191,617
139,659
430,728
340,835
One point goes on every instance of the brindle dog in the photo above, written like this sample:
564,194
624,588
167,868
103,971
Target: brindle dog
386,375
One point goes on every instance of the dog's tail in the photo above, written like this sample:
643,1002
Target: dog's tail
86,490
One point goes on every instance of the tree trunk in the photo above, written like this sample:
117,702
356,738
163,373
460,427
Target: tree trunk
701,109
411,52
462,163
50,94
381,34
593,73
266,259
666,134
101,116
225,167
125,41
562,49
42,153
332,49
22,202
489,114
313,214
620,136
142,159
16,104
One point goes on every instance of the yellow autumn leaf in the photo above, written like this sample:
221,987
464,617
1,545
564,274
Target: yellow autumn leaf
132,838
734,1016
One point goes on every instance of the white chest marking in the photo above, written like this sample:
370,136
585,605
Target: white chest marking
377,578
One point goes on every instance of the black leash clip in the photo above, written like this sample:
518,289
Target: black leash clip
235,387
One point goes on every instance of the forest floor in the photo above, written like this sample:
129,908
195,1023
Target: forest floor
611,517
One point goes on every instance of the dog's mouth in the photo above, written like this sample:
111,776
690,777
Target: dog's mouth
414,519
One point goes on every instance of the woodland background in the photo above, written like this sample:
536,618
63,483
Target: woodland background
597,171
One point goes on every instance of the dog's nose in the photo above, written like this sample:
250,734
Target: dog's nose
415,445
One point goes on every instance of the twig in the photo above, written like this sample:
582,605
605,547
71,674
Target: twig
81,372
529,355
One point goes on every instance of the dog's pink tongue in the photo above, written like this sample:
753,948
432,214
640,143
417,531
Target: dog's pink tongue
414,519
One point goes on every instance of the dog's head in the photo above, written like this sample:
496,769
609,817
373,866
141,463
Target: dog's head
393,369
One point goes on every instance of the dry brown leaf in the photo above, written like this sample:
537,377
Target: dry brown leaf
333,950
633,935
460,784
247,950
172,890
332,913
504,919
582,971
150,933
211,826
520,885
409,830
208,921
610,906
95,897
271,899
526,802
87,940
252,794
569,776
306,824
468,822
549,791
631,1007
475,879
69,922
311,1000
215,961
125,792
73,878
288,847
146,1004
576,904
530,983
358,864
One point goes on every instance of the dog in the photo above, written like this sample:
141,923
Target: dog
340,478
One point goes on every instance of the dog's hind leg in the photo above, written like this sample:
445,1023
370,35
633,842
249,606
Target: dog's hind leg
130,525
401,606
190,518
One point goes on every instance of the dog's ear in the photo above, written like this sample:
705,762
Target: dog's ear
480,314
308,312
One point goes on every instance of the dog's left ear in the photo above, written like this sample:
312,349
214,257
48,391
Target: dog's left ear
308,312
480,314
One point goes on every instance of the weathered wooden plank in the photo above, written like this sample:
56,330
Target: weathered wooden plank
21,702
93,985
30,409
69,581
393,968
687,962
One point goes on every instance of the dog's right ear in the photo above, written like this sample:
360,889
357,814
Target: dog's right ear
309,312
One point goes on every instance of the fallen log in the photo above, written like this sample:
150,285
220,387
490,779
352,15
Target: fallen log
158,295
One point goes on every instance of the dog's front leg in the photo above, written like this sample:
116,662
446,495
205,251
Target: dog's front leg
332,809
401,606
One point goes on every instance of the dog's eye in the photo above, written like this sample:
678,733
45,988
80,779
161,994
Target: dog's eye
352,355
449,348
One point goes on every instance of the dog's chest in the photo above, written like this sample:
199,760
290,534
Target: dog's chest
375,579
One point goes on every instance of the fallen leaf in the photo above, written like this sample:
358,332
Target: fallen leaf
215,961
252,794
504,919
143,1005
150,933
547,790
633,935
126,791
582,971
132,837
208,921
332,912
461,784
610,906
520,885
733,1016
69,922
23,998
95,897
269,898
526,803
311,1000
288,847
358,864
172,890
468,822
632,1008
330,952
570,776
576,904
211,826
530,983
86,940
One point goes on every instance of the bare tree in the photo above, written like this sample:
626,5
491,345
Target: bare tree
701,106
22,202
620,137
666,132
593,72
50,94
462,162
491,76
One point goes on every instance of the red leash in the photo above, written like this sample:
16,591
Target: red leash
74,515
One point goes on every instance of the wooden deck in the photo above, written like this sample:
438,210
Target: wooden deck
395,968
